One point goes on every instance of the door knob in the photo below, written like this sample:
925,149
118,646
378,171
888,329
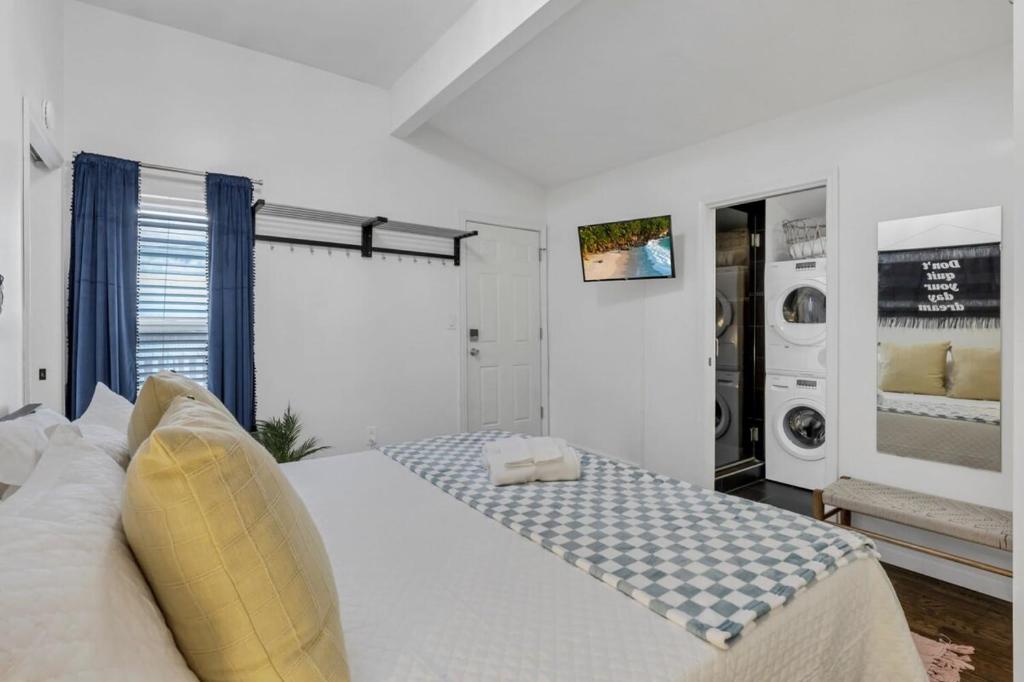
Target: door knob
474,352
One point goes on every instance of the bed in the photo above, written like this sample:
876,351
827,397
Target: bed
432,589
940,429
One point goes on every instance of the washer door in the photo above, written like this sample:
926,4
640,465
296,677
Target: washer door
723,313
800,429
723,416
798,313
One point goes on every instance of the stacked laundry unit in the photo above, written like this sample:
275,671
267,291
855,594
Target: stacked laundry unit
795,359
731,283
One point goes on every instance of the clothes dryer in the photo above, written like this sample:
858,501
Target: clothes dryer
794,299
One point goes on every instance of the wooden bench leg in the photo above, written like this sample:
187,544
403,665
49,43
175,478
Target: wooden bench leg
817,505
845,517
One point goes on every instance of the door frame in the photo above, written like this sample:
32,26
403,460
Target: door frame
467,217
828,179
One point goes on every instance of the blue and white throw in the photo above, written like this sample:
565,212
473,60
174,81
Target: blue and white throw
710,562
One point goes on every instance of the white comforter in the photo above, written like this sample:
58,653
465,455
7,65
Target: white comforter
433,590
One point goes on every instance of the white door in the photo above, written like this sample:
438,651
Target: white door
503,323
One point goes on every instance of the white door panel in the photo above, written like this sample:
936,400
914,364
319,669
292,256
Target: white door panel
503,319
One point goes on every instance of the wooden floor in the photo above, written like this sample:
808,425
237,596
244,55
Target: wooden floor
932,607
935,608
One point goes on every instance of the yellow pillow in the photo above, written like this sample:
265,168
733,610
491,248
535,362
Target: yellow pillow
154,399
975,374
918,368
231,553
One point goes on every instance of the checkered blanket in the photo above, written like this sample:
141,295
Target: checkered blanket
710,562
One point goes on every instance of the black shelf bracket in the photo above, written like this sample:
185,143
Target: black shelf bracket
256,209
367,243
457,247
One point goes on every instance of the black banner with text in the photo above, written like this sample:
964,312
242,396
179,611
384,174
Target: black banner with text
949,286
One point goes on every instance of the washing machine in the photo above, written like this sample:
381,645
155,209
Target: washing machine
730,293
794,300
794,448
728,422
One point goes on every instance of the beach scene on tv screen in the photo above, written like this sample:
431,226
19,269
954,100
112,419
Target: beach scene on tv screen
627,249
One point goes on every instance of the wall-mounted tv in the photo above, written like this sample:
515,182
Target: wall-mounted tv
628,249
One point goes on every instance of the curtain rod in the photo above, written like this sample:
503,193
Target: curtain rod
183,171
186,171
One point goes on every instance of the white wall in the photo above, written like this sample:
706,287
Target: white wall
350,343
941,141
1013,246
11,345
30,67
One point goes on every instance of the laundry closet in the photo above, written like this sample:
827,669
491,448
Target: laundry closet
770,326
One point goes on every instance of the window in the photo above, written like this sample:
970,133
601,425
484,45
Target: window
173,277
804,305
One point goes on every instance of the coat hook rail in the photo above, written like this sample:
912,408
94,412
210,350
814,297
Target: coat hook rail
367,224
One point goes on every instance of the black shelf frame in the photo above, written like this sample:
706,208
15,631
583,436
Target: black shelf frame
367,225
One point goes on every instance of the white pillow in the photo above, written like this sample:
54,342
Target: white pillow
107,409
74,604
22,440
105,423
43,418
114,443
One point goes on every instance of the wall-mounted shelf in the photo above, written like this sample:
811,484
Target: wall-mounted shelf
367,224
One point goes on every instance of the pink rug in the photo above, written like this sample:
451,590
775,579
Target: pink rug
943,660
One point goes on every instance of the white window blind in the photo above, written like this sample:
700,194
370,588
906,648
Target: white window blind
173,278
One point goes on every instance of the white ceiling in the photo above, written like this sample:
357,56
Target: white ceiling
616,81
370,40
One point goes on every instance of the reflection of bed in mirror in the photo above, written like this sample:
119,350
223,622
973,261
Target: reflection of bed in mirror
939,338
938,400
940,429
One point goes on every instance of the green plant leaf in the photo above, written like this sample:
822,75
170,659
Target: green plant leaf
280,436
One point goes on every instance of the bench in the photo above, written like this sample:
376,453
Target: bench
970,522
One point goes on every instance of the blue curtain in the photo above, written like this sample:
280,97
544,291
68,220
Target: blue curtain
232,371
101,281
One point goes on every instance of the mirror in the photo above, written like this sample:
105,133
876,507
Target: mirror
939,340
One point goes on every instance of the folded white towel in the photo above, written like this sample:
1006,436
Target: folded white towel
812,248
520,460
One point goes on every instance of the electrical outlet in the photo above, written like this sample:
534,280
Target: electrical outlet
371,436
42,374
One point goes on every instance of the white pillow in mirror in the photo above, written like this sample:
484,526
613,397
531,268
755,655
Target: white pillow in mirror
74,604
22,441
107,409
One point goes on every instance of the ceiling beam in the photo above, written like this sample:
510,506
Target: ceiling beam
488,33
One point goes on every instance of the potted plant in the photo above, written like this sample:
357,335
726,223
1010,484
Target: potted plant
280,436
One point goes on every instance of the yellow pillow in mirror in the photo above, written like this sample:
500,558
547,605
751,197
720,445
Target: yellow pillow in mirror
918,368
154,399
231,553
975,374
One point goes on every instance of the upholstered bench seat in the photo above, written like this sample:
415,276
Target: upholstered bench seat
971,522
